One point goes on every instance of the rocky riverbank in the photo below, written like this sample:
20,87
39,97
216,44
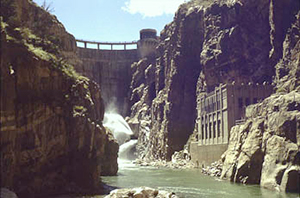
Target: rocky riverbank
265,150
180,160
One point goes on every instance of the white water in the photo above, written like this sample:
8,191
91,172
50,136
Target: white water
125,150
122,132
118,126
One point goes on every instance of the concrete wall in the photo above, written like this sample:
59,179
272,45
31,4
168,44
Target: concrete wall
111,69
206,154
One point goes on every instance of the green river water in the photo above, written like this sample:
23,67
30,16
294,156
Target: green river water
186,183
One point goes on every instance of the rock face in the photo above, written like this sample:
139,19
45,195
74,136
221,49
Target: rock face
224,42
52,138
141,192
206,44
265,149
164,88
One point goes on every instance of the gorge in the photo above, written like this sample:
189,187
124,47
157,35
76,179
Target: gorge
56,96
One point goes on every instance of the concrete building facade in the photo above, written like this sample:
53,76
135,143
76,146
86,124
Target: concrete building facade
218,111
147,43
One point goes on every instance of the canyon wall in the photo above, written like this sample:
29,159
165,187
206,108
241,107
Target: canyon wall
209,43
164,87
265,150
52,137
205,45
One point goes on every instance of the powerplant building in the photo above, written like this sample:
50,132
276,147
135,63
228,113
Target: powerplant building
218,111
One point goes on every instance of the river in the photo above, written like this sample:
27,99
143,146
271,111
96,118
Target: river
186,183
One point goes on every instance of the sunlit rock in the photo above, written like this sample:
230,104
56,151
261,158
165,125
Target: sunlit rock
140,192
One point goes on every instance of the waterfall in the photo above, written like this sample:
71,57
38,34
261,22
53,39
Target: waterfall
122,132
118,126
127,150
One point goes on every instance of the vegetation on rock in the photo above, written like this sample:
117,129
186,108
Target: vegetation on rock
51,116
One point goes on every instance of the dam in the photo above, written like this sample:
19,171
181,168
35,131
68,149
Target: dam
109,64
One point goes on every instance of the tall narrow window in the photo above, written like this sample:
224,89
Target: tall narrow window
247,101
210,130
219,128
206,129
214,129
255,100
202,131
240,102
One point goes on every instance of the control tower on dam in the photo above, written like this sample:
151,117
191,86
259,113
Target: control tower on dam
109,64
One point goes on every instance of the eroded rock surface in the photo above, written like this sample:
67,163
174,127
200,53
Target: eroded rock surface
164,87
209,43
141,192
52,137
266,149
180,160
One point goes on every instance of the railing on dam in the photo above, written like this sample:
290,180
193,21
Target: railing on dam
106,45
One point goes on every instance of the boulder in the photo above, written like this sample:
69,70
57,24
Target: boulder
140,192
5,193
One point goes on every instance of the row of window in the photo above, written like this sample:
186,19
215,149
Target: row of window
209,131
212,106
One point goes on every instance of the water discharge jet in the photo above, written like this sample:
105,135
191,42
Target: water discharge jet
118,126
127,150
122,132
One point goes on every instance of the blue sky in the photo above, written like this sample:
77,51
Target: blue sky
112,20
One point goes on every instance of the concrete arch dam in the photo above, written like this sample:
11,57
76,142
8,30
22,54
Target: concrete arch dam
110,68
109,64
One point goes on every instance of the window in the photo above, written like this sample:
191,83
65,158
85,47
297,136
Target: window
255,100
210,130
214,129
219,128
224,94
202,131
240,102
247,101
206,129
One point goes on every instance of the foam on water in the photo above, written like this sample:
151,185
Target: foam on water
122,132
126,150
118,126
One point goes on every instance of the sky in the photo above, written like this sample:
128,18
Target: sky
112,20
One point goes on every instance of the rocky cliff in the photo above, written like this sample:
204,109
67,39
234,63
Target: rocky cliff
266,149
164,87
52,137
209,43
